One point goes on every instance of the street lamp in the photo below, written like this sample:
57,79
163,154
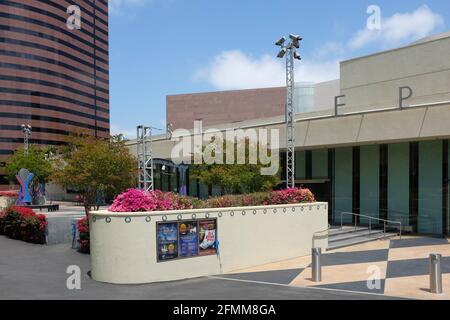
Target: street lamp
26,129
289,51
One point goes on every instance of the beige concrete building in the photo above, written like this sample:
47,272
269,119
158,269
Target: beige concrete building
374,142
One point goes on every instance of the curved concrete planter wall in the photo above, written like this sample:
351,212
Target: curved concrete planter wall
124,248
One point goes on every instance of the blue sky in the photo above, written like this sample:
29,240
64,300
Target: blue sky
163,47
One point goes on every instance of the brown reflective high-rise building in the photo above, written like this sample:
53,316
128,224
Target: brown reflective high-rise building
52,77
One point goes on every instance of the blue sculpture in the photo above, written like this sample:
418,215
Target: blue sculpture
39,193
24,177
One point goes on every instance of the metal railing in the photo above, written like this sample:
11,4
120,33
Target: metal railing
370,222
426,221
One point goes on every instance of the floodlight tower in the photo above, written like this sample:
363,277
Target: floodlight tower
145,158
26,129
290,52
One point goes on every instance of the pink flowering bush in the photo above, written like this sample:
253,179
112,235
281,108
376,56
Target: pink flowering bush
83,230
140,201
228,201
289,196
134,200
9,194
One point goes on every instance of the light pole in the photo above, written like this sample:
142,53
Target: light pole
26,129
290,52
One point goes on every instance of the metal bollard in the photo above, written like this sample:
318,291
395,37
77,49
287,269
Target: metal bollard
316,265
435,274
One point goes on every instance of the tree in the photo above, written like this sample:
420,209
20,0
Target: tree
36,160
95,166
235,178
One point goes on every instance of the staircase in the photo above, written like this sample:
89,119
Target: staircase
350,236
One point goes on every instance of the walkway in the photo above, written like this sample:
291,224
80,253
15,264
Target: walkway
39,272
402,266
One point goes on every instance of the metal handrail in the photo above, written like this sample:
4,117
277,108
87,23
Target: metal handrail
326,230
370,222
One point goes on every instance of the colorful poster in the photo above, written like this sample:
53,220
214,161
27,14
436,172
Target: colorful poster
167,234
207,237
188,234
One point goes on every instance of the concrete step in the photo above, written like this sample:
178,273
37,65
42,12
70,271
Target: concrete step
354,234
358,240
334,231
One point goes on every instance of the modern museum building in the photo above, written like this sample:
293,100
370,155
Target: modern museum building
374,142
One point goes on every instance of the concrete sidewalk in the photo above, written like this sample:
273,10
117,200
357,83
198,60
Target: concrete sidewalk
401,266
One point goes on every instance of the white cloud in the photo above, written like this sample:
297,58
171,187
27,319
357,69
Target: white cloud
330,49
129,133
399,29
117,6
236,70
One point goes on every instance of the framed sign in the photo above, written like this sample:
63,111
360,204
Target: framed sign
186,239
188,235
207,237
167,241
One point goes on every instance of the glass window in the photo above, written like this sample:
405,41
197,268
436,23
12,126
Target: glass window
430,187
193,187
174,179
320,164
343,183
157,177
448,192
300,164
369,182
398,193
165,180
216,191
204,191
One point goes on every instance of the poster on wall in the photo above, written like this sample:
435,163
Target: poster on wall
188,234
167,234
207,237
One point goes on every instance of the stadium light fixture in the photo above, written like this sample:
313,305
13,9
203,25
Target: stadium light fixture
282,53
280,42
290,52
26,129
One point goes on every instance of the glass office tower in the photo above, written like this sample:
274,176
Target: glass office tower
52,78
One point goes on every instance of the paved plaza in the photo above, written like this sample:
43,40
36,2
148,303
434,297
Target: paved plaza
30,271
401,265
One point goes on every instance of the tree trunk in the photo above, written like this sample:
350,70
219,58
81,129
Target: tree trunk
87,209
